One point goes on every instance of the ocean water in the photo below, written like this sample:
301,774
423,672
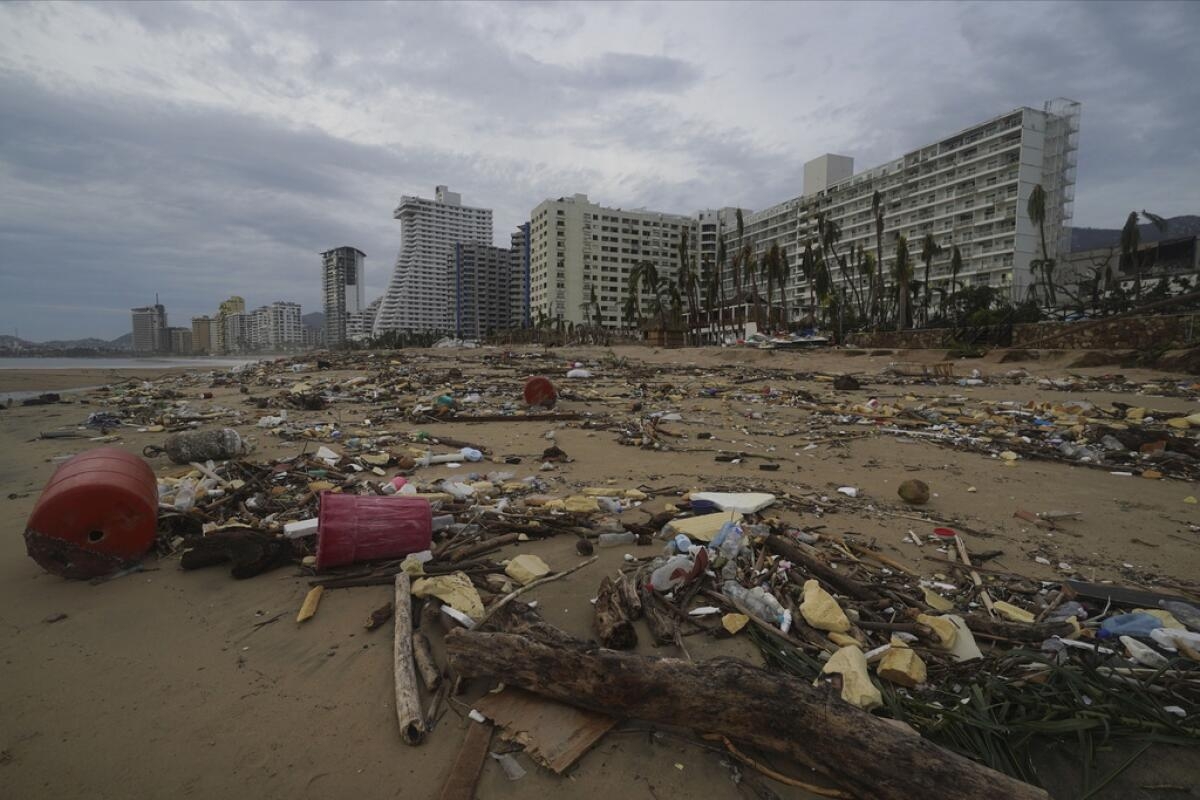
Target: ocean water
199,362
140,364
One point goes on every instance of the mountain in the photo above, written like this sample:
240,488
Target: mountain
12,344
315,320
1094,238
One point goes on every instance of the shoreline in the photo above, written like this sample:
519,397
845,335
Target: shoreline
19,383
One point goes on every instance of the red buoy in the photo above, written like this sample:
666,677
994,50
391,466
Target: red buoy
353,527
539,392
98,514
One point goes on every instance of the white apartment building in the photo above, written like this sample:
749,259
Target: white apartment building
360,324
275,327
712,224
419,296
518,295
343,272
234,305
968,189
576,246
237,332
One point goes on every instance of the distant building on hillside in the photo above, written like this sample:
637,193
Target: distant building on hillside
1172,264
150,330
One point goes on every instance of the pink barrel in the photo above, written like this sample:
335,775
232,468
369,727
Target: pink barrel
354,528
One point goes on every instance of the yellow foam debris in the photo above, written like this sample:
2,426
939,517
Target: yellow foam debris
857,688
821,611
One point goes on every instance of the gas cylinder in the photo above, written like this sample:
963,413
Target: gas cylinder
540,392
97,515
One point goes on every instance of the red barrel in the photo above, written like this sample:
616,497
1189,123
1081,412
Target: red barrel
354,528
98,514
539,391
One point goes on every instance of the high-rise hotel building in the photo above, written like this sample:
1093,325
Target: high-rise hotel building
420,295
342,274
969,189
577,247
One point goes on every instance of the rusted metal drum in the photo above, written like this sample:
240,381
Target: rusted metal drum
98,514
354,528
540,393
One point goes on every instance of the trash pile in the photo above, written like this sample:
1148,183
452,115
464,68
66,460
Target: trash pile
973,664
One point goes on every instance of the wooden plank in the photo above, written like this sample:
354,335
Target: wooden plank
553,734
468,764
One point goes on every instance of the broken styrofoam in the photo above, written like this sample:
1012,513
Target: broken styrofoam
743,502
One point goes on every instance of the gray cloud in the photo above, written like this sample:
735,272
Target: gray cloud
200,150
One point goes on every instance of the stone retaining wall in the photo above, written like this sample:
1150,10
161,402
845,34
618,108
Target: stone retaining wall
1124,333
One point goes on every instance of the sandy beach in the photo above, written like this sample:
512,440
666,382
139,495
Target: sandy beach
164,683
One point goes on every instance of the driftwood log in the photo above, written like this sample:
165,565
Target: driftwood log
658,619
408,707
818,568
862,753
613,627
431,676
628,591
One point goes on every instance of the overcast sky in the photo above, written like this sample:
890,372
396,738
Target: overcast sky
211,149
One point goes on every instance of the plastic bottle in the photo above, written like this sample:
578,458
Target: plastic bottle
1170,638
672,573
185,496
609,504
442,521
1188,614
218,445
1066,611
1143,654
1128,625
616,539
759,602
680,544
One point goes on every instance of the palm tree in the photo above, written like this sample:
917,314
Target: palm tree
736,268
1131,238
783,275
829,233
956,264
688,281
770,275
712,294
808,266
633,305
929,250
722,258
877,214
1036,208
902,272
746,257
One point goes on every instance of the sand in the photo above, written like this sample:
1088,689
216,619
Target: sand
159,684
